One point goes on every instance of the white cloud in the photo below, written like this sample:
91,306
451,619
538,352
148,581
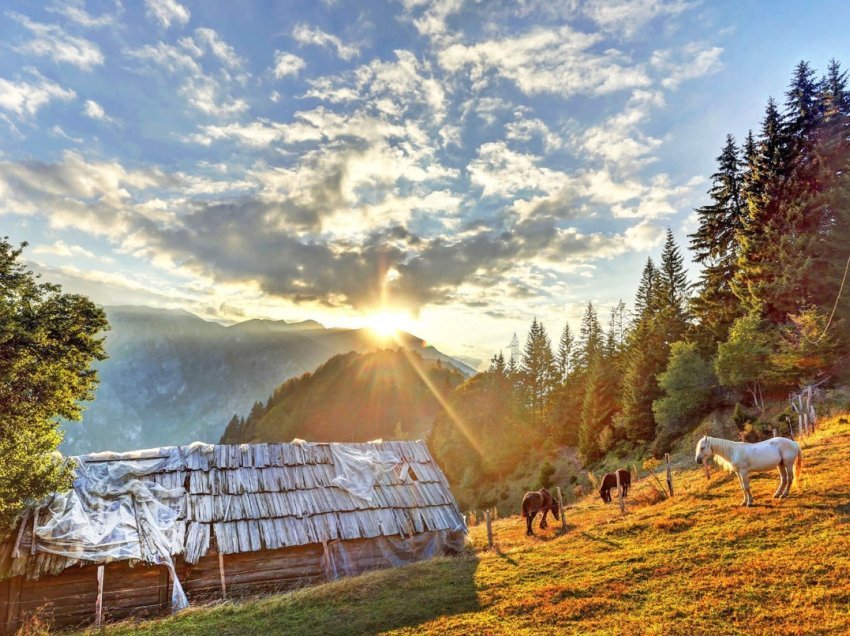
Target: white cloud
691,62
168,12
93,110
306,34
51,41
23,98
628,17
60,248
525,130
208,40
201,90
286,64
75,12
559,61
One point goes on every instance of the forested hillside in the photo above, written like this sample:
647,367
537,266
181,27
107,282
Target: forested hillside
173,378
391,394
765,316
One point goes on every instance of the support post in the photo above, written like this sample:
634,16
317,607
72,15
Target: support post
221,574
800,424
620,494
34,529
13,606
98,606
669,474
806,423
561,510
775,433
489,529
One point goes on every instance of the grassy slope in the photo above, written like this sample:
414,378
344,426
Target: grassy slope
693,564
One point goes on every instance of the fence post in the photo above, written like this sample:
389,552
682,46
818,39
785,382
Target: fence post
669,474
800,424
98,606
489,529
620,493
561,510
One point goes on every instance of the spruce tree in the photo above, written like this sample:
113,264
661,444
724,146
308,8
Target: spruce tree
715,246
565,352
538,371
647,293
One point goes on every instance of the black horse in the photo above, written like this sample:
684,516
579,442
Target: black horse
540,501
609,481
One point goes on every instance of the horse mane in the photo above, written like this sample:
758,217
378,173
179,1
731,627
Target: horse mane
726,446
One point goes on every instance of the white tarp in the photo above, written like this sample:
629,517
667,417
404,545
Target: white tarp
111,514
357,471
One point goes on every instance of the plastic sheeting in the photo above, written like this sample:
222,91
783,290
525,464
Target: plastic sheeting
111,514
359,470
349,558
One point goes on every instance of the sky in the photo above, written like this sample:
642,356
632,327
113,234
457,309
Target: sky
453,167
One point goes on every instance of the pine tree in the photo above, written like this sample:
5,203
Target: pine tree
590,341
565,352
538,371
647,293
715,246
597,410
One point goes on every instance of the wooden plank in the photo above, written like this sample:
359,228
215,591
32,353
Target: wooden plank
12,605
221,574
98,608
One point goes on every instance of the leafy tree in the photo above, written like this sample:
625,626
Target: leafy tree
48,341
687,384
743,361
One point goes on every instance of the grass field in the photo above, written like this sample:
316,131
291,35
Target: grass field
694,564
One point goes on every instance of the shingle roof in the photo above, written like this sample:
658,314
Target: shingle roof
266,496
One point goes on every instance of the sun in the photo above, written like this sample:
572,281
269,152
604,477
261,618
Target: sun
385,324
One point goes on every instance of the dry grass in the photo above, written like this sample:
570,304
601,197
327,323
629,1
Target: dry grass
693,564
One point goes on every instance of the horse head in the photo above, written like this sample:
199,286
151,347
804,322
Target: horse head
704,450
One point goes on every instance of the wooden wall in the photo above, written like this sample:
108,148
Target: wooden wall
68,599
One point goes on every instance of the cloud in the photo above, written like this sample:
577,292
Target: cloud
167,12
203,91
75,12
93,110
691,62
546,60
60,248
527,130
306,34
23,98
286,64
207,40
627,18
51,41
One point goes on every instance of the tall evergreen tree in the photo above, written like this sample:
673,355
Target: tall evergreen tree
715,246
538,371
565,352
647,293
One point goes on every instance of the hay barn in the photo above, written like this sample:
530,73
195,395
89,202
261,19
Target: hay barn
145,532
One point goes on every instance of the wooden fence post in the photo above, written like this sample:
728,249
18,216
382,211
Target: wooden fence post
800,424
561,510
221,574
489,529
620,493
98,606
669,474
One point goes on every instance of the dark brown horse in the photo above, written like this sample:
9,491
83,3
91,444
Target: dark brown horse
609,481
540,501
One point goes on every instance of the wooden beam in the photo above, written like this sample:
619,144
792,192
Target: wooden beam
221,576
13,607
620,493
489,528
98,606
669,474
16,551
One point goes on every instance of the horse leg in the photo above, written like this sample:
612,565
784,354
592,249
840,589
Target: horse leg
745,481
743,488
783,477
543,523
530,521
789,471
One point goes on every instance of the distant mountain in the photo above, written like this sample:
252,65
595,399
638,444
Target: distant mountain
173,378
353,397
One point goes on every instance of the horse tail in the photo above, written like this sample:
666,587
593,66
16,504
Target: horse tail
798,469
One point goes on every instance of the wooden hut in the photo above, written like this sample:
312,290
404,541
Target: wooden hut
217,521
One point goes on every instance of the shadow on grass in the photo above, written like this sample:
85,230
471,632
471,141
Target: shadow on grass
606,541
398,598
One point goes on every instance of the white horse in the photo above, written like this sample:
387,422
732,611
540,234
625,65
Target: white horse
742,459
